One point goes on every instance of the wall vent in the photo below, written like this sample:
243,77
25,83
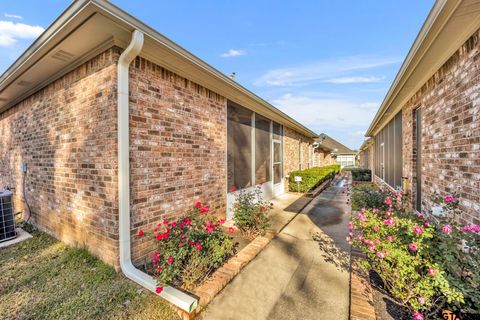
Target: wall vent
63,55
7,218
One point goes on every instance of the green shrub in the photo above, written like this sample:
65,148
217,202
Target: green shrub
190,248
427,263
312,177
369,199
359,174
250,213
365,187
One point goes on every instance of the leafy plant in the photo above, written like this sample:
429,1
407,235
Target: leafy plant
426,263
250,212
456,250
359,174
190,248
369,199
312,177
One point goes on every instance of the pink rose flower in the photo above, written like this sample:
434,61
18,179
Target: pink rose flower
417,230
449,198
412,247
350,226
426,224
159,290
421,300
170,260
390,238
431,271
376,228
388,222
380,254
447,229
388,201
417,316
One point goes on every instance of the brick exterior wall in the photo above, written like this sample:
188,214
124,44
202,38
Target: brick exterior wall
324,158
178,149
450,105
66,133
292,140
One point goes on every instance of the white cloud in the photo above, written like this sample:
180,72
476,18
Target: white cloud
342,118
13,16
233,53
10,32
349,80
321,70
320,112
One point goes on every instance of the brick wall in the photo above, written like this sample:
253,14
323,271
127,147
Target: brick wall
66,134
178,149
324,158
294,143
450,105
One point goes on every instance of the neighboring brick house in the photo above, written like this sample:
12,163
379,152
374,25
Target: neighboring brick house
331,151
427,131
195,134
365,154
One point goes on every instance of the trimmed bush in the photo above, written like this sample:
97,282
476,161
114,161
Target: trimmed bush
359,174
312,177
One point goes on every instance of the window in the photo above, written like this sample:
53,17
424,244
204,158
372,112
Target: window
239,147
262,149
250,148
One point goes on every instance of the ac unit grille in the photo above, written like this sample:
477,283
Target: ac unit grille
7,218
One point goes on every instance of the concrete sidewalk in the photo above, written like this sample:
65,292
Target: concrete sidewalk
302,274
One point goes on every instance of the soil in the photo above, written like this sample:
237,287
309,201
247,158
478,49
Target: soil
385,307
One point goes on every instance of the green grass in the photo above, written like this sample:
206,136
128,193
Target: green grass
42,278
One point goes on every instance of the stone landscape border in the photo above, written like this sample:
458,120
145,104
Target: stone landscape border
361,293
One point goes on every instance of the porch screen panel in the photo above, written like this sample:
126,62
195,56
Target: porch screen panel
391,137
239,147
262,150
391,154
398,149
277,131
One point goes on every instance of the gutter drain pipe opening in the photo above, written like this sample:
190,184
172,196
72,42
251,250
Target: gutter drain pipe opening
172,295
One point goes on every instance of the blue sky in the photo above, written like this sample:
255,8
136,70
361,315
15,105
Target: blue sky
327,64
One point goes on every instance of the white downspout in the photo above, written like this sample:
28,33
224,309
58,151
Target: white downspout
172,295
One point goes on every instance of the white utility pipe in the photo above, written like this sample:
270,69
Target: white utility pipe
172,295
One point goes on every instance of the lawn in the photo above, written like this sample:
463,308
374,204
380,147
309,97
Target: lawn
42,278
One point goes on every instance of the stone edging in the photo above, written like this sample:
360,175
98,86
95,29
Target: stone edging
361,293
223,275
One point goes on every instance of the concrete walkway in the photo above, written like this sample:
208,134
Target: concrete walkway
301,274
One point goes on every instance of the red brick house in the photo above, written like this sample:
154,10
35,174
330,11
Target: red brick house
426,134
120,128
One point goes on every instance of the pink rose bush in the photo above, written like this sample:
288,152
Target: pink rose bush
189,248
250,213
426,265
